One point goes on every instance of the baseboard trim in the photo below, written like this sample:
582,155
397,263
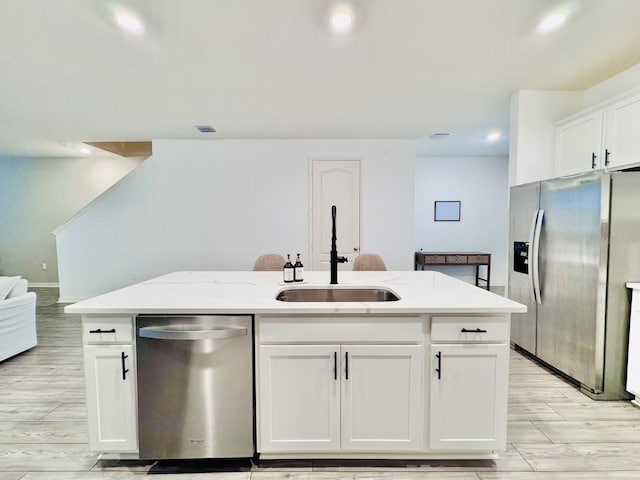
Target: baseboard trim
70,299
44,284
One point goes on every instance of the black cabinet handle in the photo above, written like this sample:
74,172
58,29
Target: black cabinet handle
477,330
335,365
346,360
439,369
124,370
593,160
99,330
606,157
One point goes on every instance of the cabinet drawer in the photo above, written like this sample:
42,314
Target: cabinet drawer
104,330
473,259
457,259
470,329
337,329
434,259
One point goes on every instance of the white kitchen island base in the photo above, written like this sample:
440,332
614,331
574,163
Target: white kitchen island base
380,386
385,456
421,378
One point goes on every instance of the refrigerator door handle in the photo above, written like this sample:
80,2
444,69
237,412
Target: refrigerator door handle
531,249
536,258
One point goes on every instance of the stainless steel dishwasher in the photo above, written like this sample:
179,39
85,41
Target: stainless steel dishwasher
195,386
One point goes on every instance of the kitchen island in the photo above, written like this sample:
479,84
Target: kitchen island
422,377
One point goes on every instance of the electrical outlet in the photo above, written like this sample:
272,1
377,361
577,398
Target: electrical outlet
44,266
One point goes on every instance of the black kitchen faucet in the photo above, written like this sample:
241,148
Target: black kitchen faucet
335,259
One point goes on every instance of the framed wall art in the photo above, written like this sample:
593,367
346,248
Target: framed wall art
446,211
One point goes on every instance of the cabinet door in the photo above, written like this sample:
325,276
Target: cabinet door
576,144
633,361
299,398
622,142
381,397
111,402
468,397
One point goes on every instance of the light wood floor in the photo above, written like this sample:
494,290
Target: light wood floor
555,432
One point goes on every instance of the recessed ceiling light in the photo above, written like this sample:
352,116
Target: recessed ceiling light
85,151
494,136
551,22
342,19
130,22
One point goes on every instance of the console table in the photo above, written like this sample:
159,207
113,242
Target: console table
476,259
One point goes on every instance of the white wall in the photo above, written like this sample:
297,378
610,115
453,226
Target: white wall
480,183
217,205
38,194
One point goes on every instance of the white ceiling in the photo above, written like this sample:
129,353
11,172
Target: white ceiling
272,69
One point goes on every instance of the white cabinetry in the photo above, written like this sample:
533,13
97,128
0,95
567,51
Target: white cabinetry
603,138
578,144
468,396
337,397
633,365
468,381
622,141
110,383
381,397
299,398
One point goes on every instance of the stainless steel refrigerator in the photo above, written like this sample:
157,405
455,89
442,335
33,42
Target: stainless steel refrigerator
574,243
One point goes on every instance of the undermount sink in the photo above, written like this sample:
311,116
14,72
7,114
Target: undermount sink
337,295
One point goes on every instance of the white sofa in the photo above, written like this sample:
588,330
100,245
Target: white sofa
17,320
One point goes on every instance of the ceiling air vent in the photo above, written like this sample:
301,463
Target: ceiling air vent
439,136
206,128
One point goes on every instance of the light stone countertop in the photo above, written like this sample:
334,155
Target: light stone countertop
203,292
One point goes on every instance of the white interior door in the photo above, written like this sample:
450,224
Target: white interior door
335,182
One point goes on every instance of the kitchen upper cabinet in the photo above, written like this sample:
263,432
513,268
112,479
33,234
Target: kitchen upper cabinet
604,138
340,398
110,388
468,396
578,144
622,136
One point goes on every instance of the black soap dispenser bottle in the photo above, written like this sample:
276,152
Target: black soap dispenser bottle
288,270
298,270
